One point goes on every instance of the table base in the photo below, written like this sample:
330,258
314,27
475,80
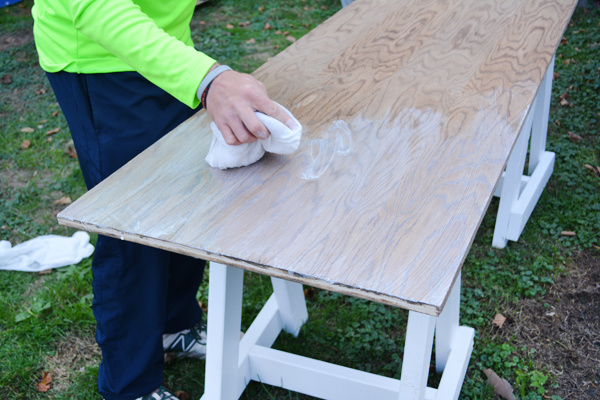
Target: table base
519,193
231,362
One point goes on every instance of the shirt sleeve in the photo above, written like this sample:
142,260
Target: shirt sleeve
124,30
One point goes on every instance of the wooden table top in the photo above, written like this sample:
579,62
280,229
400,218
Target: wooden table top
410,110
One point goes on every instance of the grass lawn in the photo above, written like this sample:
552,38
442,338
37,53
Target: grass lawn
546,284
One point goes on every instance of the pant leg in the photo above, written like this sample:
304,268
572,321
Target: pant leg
139,292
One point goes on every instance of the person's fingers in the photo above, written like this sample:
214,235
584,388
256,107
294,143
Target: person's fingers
272,109
241,133
253,124
231,103
228,135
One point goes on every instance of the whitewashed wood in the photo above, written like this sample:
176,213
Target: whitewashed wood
384,205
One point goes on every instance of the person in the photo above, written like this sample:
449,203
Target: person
125,73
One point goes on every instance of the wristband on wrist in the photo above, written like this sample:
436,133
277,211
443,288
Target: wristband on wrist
208,79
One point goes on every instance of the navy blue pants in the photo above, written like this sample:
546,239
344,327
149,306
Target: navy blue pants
139,292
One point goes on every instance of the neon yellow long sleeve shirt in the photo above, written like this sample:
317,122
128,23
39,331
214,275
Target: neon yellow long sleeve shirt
151,37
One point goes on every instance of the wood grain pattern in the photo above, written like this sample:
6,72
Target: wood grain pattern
410,110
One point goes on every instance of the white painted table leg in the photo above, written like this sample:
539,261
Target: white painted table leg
417,356
540,122
446,326
453,347
232,363
511,184
224,323
291,304
519,193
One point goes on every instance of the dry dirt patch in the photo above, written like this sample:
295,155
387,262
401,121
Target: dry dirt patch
73,355
15,39
564,328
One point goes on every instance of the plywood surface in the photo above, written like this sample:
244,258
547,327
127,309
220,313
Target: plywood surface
410,110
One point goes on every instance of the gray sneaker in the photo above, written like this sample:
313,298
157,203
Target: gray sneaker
160,394
187,343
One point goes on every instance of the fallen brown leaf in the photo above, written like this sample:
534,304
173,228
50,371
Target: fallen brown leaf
575,137
44,384
52,131
501,386
63,201
25,145
6,79
45,272
244,24
40,91
261,8
43,121
567,233
555,76
229,26
564,40
309,293
55,113
499,320
590,167
203,306
268,26
250,41
181,395
564,102
71,152
290,38
27,130
596,247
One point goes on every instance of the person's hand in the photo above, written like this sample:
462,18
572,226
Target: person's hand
231,102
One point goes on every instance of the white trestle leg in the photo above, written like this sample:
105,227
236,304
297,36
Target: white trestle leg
417,356
452,344
223,332
232,363
519,193
291,304
446,327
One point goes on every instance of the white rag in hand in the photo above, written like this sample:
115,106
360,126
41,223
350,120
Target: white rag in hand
45,252
282,140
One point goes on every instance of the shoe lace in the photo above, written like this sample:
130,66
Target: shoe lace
163,394
198,332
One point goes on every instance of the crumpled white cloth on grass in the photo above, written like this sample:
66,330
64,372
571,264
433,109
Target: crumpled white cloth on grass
45,252
282,140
